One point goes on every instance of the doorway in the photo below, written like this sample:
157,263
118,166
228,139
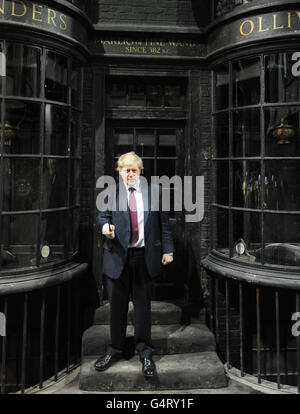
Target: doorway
160,144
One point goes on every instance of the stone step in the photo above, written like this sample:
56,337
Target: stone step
174,372
167,339
163,313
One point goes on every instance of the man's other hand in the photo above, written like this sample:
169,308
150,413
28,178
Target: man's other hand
166,259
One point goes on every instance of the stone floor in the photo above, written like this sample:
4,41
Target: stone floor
70,385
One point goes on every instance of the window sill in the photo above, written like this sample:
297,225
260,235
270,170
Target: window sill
39,278
216,264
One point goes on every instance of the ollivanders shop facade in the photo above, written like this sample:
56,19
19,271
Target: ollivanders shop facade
196,89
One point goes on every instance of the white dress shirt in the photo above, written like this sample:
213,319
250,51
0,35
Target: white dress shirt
140,212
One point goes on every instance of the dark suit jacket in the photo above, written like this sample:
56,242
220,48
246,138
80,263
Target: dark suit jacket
158,237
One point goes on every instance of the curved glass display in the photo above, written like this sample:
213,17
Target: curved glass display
256,164
39,156
81,4
225,6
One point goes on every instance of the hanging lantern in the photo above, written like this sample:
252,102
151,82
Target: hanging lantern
9,132
283,133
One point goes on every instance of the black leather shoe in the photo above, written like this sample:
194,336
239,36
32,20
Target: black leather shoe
148,368
105,362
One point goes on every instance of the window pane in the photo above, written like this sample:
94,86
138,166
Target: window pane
281,234
22,128
77,3
154,95
23,70
246,133
75,182
117,94
222,87
167,143
221,230
74,234
136,95
123,141
142,92
222,135
55,183
54,230
171,211
50,182
76,85
18,241
56,130
246,82
282,132
166,167
75,131
247,184
172,95
20,184
145,142
283,228
283,185
222,195
148,169
247,226
56,82
280,83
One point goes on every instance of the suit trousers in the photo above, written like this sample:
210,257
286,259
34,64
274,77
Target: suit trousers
134,283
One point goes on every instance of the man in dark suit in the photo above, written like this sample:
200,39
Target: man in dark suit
138,242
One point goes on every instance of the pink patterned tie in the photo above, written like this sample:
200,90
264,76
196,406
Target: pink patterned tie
134,216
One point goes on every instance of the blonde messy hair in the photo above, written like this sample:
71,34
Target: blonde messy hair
129,157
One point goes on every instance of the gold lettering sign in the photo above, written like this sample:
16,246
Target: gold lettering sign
161,48
63,23
35,12
51,17
27,11
250,28
270,23
289,20
275,27
13,8
260,25
247,27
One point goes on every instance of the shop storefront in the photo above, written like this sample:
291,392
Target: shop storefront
149,78
43,50
254,263
208,89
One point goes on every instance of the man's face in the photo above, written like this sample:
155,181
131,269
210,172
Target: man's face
130,173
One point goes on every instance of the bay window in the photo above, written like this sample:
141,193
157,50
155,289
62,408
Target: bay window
256,162
39,157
